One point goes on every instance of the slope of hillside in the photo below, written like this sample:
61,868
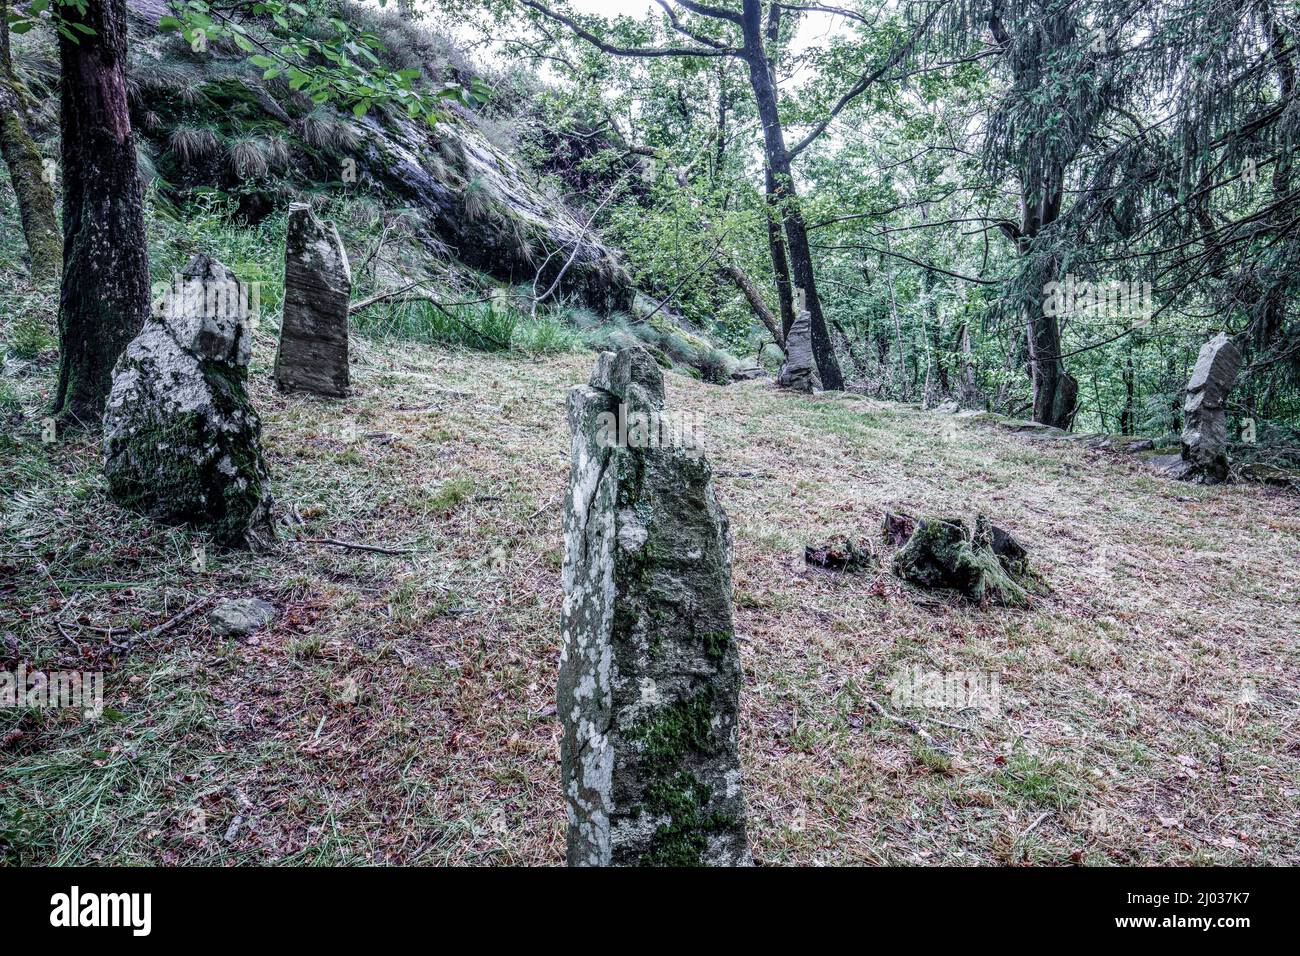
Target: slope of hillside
400,707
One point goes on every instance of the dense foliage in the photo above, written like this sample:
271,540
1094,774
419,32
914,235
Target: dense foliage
962,167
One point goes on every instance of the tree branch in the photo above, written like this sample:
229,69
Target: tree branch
866,81
613,50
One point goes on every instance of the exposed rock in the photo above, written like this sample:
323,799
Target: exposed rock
445,173
850,558
898,528
182,442
1205,432
949,407
1036,429
749,374
984,564
1268,474
313,355
1174,465
799,372
650,676
240,618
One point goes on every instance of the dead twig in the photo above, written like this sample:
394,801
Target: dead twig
1030,829
542,510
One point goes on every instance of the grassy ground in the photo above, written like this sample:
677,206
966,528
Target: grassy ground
399,710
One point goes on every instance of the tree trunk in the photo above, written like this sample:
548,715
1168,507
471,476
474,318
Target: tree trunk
32,187
780,262
1056,392
105,295
1128,417
778,160
969,389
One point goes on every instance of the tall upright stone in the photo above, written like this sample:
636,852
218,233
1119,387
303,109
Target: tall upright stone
1205,430
313,355
650,675
182,441
799,372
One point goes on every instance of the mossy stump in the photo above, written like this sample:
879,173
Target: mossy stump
650,677
984,564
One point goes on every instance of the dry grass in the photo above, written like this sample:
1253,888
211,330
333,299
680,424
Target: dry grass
397,711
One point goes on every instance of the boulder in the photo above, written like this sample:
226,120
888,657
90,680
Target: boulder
650,677
182,441
1205,431
313,354
799,372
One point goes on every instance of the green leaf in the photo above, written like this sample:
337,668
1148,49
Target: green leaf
261,60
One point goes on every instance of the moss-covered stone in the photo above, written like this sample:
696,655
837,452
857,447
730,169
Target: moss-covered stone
182,441
650,675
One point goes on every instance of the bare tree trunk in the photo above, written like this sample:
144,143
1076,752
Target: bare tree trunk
1056,392
105,295
778,160
31,185
969,390
780,262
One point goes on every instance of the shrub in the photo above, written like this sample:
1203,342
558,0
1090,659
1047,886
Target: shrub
29,336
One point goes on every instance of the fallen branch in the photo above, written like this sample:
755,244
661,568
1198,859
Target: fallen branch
913,726
353,546
145,637
162,628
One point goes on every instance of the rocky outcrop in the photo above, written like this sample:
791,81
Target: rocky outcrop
474,197
182,442
482,207
650,675
313,354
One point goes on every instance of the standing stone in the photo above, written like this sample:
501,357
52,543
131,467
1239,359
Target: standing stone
182,442
799,372
1205,431
650,677
313,354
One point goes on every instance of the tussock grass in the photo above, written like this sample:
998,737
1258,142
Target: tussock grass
396,711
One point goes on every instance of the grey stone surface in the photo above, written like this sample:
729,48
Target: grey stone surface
313,354
240,618
182,441
799,372
1205,431
650,675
